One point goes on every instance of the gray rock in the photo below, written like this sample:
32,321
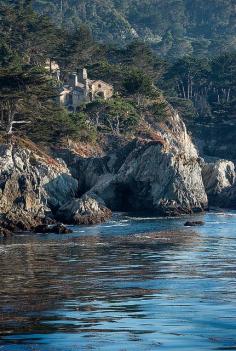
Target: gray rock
228,197
5,233
32,185
162,175
55,229
194,223
218,176
219,180
89,209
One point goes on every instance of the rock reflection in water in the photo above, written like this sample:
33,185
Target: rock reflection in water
38,277
172,290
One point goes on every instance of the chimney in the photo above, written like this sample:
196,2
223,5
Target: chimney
85,74
58,75
73,80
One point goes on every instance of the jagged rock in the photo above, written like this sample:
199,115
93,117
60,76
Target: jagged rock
20,220
161,175
56,229
60,229
218,176
219,180
32,185
42,229
5,233
89,209
194,223
228,197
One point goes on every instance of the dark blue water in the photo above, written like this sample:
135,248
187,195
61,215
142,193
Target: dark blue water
118,287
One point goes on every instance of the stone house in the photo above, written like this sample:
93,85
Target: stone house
81,89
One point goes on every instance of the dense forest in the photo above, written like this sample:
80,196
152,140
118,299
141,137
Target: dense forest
201,87
174,28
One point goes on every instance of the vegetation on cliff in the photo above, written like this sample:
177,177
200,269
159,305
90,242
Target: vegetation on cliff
158,166
201,87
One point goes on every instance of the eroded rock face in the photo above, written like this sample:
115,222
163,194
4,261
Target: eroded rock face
228,197
161,175
32,185
218,176
89,209
220,183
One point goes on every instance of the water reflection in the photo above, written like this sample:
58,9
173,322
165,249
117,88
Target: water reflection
120,292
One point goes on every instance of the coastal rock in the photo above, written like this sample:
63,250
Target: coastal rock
55,229
219,180
32,185
218,176
194,223
161,175
89,209
5,233
228,197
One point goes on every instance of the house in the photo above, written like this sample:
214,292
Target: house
79,90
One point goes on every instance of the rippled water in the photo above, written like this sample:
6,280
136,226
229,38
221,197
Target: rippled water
116,287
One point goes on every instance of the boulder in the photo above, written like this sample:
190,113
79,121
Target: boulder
218,176
89,209
32,185
5,233
194,223
219,179
56,229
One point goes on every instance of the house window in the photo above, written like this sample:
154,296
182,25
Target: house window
101,94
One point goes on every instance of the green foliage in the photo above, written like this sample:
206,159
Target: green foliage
173,27
28,95
208,84
160,111
136,82
53,126
24,32
85,131
117,116
25,94
77,48
111,73
199,88
185,107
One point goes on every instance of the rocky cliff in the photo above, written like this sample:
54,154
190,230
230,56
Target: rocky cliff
162,174
32,185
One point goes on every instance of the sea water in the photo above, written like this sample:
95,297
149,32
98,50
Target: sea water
115,287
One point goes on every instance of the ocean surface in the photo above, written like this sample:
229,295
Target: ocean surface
132,284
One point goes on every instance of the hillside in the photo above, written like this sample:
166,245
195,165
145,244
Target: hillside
173,28
202,89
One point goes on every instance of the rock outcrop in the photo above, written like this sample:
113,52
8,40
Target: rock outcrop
32,186
218,176
89,209
220,182
228,197
55,229
162,174
193,223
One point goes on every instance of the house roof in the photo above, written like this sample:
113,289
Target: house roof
99,81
